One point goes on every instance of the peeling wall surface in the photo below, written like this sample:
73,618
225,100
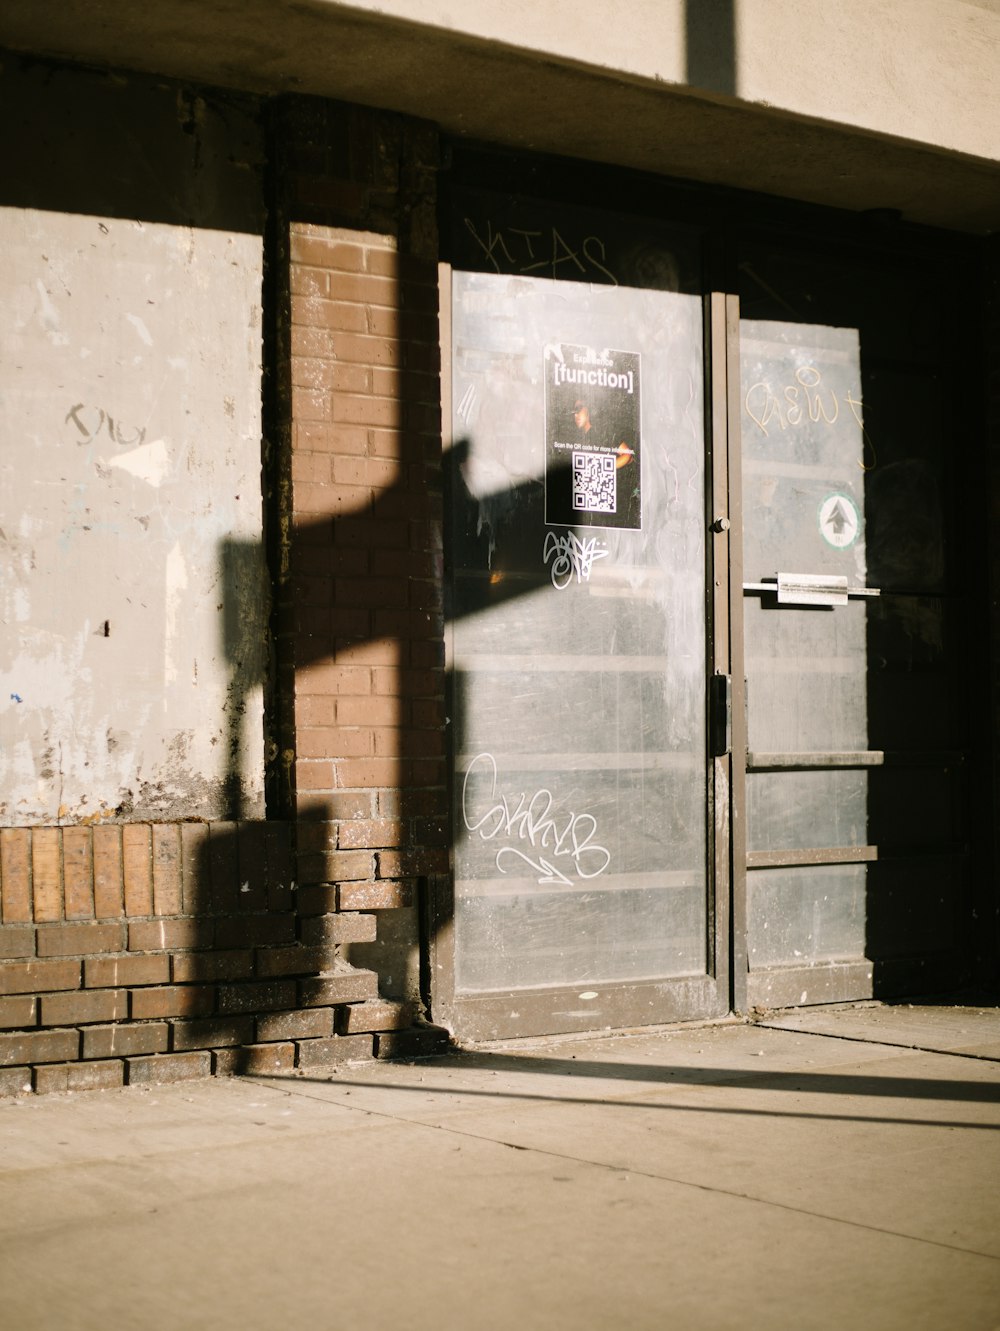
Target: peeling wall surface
133,602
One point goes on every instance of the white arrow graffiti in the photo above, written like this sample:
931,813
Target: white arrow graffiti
547,873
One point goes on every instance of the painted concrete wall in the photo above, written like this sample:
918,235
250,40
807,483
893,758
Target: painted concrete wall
132,599
922,70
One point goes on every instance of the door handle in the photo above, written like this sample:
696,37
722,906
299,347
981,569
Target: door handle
809,589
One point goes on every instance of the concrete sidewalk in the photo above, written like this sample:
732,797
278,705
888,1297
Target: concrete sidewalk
828,1168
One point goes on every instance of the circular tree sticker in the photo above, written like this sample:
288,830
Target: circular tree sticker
839,521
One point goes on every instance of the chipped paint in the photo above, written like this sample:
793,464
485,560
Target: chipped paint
149,463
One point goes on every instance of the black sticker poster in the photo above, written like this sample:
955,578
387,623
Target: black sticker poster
592,437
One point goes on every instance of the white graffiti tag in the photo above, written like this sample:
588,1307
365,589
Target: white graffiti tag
531,820
570,555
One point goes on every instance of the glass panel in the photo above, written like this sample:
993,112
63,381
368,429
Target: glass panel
789,810
803,915
806,455
577,517
846,426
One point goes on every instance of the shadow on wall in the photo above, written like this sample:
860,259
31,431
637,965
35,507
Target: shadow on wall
371,694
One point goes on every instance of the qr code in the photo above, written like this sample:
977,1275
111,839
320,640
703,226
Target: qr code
594,485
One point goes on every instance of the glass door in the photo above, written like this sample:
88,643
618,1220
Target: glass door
583,895
856,873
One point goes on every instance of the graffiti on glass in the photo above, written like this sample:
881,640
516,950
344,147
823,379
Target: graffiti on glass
552,844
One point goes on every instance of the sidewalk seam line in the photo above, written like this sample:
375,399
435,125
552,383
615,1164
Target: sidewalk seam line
639,1173
885,1044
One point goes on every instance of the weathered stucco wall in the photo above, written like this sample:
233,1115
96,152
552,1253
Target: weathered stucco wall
132,598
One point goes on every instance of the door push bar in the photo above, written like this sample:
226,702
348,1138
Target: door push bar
809,589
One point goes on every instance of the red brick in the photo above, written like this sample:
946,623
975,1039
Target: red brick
376,473
349,986
335,807
205,966
224,859
15,875
376,1015
255,931
280,870
314,775
166,852
78,873
14,1081
376,532
413,803
308,282
334,742
32,977
305,1024
310,405
307,341
404,863
328,866
317,834
212,1032
385,710
46,873
252,866
161,1068
294,960
194,867
123,1038
316,898
17,940
376,832
226,1063
127,969
349,927
326,499
327,253
365,289
333,439
172,1001
417,1042
364,409
256,997
39,1047
338,1049
353,772
260,1060
324,678
383,895
137,869
157,935
108,890
339,315
79,1077
79,940
17,1012
80,1008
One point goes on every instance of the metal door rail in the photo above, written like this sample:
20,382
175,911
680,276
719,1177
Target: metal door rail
860,758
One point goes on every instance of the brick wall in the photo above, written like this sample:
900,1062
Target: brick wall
154,952
361,617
